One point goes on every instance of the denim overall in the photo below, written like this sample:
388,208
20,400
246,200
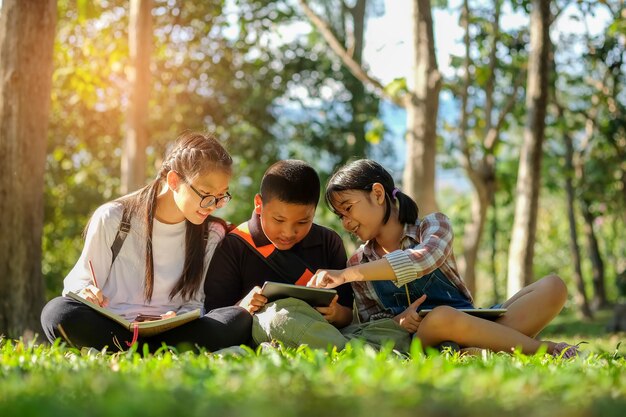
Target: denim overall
438,289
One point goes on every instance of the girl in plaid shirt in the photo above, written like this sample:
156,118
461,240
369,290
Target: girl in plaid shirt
407,264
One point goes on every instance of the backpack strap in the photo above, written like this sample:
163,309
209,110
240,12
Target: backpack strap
205,233
122,232
289,266
124,228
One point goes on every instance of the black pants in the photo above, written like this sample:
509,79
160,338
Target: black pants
84,327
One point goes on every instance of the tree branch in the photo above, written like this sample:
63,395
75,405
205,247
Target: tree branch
493,61
494,133
467,158
336,46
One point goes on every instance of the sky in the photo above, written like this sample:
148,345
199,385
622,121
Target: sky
388,37
388,54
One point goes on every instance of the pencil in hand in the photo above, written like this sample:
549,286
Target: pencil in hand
100,300
93,275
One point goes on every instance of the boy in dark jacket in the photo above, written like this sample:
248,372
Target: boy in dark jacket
281,243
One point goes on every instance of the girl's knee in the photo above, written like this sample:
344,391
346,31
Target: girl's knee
243,319
443,323
54,313
555,287
440,316
241,327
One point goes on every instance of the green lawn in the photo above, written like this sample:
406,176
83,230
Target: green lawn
44,380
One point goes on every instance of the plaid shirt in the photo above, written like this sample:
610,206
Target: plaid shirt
425,246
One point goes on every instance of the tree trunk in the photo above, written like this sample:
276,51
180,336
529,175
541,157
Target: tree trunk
26,44
482,175
356,87
473,234
521,250
422,106
618,321
599,292
494,249
467,263
140,46
581,295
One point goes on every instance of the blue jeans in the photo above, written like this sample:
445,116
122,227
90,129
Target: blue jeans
438,289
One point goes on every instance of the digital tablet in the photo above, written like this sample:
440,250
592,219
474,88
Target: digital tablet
317,297
485,313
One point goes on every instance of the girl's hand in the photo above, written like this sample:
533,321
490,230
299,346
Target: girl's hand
409,318
168,315
94,295
326,278
254,301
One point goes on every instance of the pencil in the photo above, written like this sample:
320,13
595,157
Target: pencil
93,275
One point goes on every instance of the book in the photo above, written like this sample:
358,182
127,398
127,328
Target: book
144,327
485,313
317,297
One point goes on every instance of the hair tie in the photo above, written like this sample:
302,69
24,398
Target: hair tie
394,192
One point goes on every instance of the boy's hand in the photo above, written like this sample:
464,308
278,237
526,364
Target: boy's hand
254,301
94,294
331,312
409,318
326,278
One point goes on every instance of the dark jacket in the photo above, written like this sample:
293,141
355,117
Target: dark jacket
235,269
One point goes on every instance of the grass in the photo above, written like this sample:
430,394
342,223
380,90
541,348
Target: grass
56,380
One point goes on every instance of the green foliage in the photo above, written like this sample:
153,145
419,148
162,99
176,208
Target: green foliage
39,380
589,82
591,92
269,95
397,87
228,70
510,61
376,132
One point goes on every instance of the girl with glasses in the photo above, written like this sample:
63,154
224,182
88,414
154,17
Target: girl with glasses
158,266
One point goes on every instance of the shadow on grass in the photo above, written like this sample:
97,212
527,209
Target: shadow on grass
568,324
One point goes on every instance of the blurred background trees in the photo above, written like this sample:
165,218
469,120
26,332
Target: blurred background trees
261,76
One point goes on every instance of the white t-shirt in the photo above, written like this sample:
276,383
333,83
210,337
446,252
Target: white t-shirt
122,282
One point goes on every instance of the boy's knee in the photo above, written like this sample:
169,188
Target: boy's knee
277,318
286,304
293,322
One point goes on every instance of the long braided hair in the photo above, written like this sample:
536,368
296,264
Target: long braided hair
193,154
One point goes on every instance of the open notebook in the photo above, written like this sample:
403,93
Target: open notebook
144,328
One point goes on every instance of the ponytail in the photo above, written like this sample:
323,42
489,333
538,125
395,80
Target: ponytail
407,208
